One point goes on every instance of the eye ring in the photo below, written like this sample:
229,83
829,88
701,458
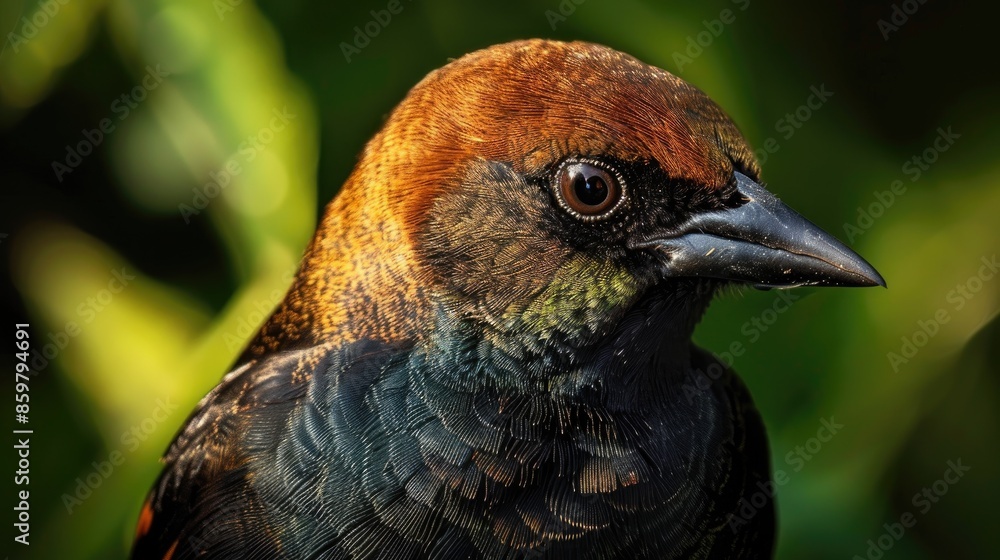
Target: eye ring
588,189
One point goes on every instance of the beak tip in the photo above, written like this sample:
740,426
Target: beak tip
873,281
870,276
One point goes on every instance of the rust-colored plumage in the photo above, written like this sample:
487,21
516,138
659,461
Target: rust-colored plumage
528,103
485,351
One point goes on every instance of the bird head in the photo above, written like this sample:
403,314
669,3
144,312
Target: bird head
540,191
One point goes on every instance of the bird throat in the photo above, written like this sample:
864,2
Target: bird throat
593,326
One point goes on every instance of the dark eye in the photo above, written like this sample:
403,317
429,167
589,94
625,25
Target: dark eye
588,190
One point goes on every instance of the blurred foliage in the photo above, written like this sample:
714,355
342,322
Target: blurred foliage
204,266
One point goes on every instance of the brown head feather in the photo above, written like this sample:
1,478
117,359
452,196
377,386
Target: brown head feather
527,104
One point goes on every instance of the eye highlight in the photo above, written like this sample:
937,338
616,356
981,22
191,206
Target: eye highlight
589,190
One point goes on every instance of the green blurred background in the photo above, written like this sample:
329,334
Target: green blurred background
124,367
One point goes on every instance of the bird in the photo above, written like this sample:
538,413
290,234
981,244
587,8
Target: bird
486,351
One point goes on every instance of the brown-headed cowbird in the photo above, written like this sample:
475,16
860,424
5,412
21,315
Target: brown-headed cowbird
487,349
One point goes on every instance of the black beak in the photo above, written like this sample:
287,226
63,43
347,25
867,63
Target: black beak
763,242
